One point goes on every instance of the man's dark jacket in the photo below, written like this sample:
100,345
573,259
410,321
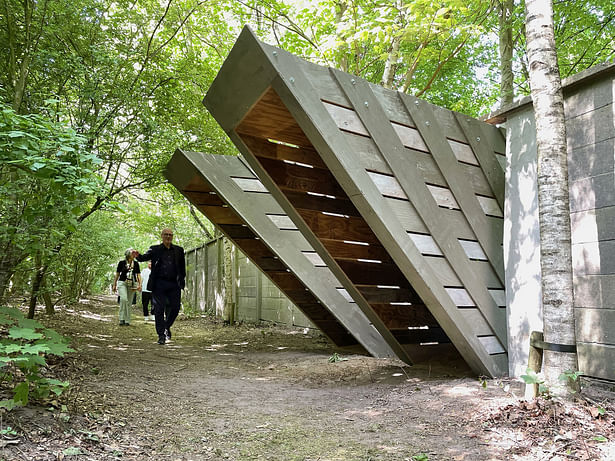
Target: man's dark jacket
154,254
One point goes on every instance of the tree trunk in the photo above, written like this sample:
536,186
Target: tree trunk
391,63
229,305
8,262
553,198
340,9
37,282
506,53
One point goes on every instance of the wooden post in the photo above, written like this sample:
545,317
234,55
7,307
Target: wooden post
259,294
534,364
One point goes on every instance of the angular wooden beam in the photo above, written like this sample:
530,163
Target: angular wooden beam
248,218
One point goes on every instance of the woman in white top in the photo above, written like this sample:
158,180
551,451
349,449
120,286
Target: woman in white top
127,282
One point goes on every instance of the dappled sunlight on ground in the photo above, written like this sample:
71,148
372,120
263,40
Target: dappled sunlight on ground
255,392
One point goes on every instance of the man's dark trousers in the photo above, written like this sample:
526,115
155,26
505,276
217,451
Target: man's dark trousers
166,296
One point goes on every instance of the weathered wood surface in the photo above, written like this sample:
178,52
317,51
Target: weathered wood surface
256,225
364,143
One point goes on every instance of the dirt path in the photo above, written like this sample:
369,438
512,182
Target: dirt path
262,393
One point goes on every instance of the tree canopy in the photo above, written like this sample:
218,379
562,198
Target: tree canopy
97,94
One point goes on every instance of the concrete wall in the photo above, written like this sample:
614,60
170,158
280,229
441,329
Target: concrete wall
256,297
590,116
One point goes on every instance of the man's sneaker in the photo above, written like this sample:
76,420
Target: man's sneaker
145,319
152,318
161,340
167,333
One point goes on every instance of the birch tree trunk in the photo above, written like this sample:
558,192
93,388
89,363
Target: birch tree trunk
553,198
506,53
391,63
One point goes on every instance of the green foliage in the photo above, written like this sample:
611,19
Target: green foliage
531,377
24,346
46,179
97,94
336,358
570,376
8,430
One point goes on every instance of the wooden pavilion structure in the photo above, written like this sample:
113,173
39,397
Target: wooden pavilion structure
401,200
225,190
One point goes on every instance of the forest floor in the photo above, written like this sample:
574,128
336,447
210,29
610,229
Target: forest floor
261,392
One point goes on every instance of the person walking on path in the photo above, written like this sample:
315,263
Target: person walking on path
146,295
127,282
166,280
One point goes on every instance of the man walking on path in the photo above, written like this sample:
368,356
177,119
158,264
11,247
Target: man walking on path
167,279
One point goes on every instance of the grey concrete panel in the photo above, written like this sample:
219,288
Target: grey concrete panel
592,160
597,291
593,225
596,360
594,192
593,258
595,325
590,128
589,98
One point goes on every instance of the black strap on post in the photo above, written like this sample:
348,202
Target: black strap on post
538,344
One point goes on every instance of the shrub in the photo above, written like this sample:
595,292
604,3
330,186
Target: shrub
24,346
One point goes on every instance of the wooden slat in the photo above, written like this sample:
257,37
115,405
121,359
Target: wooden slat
296,178
475,134
276,151
344,250
346,119
250,185
376,274
375,295
220,215
236,231
431,131
269,119
431,335
204,198
301,297
492,344
372,116
463,152
403,316
314,258
337,228
286,281
307,201
268,264
481,269
253,248
282,222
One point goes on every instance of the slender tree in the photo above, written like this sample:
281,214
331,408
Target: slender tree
507,94
553,198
